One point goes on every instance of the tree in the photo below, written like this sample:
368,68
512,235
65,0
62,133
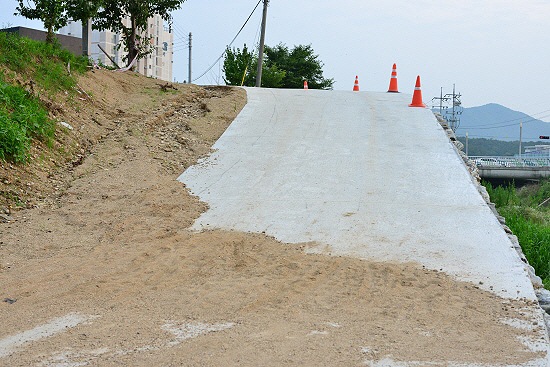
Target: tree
238,66
281,68
129,18
300,64
82,9
53,13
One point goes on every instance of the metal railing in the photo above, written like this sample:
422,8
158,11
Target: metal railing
494,161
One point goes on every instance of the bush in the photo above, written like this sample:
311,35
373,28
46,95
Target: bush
14,142
44,63
21,118
529,222
22,115
534,237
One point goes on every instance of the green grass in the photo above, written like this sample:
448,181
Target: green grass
22,118
527,220
22,115
43,63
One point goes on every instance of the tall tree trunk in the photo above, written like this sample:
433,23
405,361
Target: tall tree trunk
132,47
50,36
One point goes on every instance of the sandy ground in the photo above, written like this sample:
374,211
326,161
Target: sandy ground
104,271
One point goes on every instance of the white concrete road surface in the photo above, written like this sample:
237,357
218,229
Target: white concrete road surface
361,174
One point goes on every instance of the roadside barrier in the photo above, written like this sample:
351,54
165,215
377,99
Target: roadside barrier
417,96
393,80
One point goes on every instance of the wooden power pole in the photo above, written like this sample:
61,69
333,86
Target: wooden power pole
261,51
190,38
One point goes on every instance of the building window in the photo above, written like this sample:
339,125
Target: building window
113,38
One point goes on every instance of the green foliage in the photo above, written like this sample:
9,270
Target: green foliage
105,14
482,146
534,194
82,9
112,13
40,62
299,64
533,233
281,68
240,68
13,140
502,196
527,220
53,13
21,118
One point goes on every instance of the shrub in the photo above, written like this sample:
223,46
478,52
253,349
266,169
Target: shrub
21,117
529,222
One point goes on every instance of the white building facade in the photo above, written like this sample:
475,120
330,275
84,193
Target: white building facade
157,65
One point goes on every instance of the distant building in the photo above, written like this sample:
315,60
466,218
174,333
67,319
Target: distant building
537,151
68,42
156,65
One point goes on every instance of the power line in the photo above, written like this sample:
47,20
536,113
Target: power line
234,38
516,119
497,127
500,137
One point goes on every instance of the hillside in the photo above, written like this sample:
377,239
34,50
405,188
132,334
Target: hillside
493,121
98,266
494,147
116,102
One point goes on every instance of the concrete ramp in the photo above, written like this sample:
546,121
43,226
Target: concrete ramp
359,174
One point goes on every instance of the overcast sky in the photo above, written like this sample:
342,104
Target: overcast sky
495,51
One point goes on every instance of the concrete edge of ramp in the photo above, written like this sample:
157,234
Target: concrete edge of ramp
276,169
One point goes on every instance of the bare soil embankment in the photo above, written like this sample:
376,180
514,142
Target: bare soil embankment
105,237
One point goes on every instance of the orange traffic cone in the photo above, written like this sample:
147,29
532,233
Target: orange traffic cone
356,85
305,84
417,96
393,80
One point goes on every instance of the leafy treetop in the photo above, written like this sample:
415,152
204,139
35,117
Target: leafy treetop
129,18
281,68
53,13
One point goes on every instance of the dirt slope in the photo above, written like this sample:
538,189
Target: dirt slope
105,250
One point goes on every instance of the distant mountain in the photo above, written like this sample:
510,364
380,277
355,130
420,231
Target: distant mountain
493,121
493,147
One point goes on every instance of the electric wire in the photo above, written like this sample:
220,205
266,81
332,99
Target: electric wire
182,38
497,127
525,139
234,38
531,118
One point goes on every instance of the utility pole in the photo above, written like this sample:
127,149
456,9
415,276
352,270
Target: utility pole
457,109
520,131
190,37
466,144
441,100
261,51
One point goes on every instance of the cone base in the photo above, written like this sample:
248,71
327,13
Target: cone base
393,91
417,105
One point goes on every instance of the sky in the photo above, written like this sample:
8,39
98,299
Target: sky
494,51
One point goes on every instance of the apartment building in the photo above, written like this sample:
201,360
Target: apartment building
157,65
